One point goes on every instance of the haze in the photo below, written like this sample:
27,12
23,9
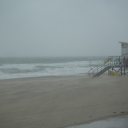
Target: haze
62,27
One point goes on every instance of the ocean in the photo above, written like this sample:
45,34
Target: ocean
22,67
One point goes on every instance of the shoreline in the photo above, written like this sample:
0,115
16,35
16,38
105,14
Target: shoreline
48,76
61,101
119,121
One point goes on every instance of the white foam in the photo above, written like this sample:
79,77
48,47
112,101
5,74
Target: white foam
9,71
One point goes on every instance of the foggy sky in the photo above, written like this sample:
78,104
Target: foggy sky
62,27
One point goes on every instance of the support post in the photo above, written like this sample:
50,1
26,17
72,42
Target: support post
124,70
121,70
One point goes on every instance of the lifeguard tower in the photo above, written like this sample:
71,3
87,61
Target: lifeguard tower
124,49
115,65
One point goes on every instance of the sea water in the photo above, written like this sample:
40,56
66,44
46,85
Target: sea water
113,122
21,67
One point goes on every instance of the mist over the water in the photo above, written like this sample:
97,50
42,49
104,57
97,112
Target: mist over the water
33,28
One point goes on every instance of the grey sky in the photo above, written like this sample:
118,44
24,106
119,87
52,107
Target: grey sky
62,27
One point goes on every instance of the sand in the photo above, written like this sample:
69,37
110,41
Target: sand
58,102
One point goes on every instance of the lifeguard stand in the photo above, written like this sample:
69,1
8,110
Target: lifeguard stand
115,65
124,49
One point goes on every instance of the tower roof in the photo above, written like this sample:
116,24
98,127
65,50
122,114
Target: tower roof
123,43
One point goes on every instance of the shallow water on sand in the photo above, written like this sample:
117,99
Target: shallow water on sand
114,122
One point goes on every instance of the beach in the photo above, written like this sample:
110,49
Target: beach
61,101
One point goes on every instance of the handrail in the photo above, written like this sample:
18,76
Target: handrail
110,61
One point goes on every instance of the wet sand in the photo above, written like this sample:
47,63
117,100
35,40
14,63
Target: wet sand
59,102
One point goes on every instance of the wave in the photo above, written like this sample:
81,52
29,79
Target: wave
45,69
